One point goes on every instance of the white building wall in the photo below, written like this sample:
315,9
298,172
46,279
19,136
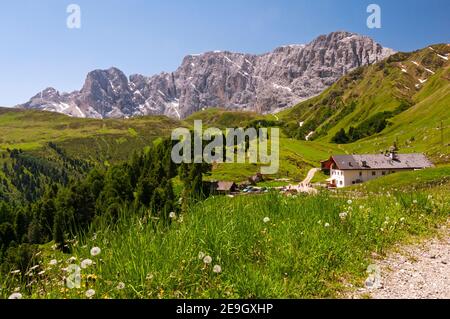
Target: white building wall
344,178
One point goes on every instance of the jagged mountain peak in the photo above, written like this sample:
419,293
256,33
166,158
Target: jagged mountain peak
263,83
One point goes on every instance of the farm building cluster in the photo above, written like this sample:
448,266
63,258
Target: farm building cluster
343,171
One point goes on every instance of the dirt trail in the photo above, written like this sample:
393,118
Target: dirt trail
420,271
304,187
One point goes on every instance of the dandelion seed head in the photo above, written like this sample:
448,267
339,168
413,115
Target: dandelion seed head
53,262
172,215
201,255
90,293
349,202
266,220
120,286
343,215
327,225
86,263
217,269
16,295
95,251
71,259
207,260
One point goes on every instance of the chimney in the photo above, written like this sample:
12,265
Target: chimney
393,152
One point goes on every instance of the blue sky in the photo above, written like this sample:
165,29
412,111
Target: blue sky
149,36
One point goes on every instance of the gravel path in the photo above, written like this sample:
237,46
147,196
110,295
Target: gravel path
304,187
420,271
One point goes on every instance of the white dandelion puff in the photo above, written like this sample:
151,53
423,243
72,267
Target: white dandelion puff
120,286
327,225
95,251
53,262
172,215
343,215
201,255
349,202
90,293
86,263
16,295
415,201
217,269
207,260
71,259
266,220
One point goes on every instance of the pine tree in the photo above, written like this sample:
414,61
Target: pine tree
21,226
35,231
58,229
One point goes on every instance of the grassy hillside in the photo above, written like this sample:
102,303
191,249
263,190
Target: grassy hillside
55,148
91,139
433,178
268,246
109,141
408,90
389,92
221,118
262,246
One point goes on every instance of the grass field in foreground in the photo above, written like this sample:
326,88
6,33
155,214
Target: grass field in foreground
308,247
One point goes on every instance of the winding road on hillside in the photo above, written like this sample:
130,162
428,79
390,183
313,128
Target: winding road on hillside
304,187
310,176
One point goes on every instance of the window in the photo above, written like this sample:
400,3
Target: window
360,173
374,173
341,183
383,173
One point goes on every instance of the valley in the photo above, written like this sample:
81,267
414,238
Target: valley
71,184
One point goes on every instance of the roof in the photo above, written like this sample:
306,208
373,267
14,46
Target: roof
225,186
381,161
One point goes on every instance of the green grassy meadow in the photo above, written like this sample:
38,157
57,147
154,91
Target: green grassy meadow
268,246
261,246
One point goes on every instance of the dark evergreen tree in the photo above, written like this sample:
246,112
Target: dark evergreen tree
340,137
21,226
58,230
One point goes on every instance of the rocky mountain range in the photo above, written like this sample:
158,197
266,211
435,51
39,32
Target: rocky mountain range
262,83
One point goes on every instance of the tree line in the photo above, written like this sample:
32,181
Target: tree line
144,183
